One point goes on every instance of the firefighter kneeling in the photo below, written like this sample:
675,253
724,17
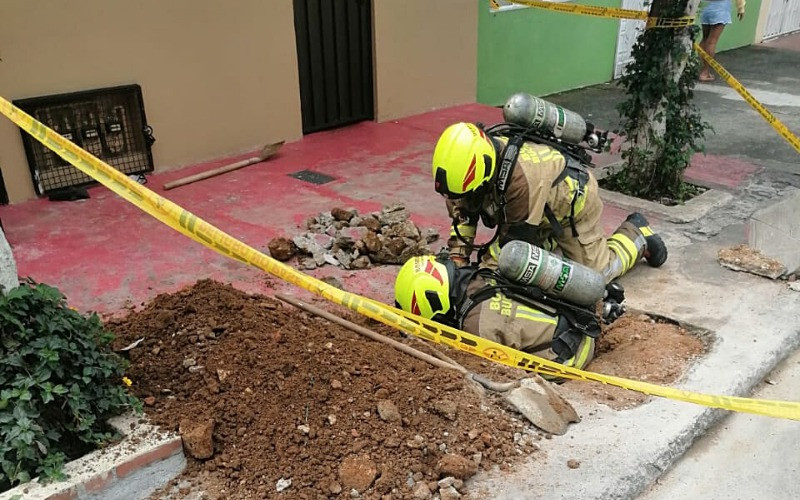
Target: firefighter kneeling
481,301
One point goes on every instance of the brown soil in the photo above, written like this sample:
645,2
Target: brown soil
296,397
638,347
746,259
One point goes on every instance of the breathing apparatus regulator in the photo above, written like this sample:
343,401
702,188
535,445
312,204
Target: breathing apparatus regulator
529,118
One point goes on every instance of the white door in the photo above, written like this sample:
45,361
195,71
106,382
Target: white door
783,18
629,31
791,21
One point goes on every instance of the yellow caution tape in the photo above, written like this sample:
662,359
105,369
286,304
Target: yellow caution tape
605,12
204,233
738,87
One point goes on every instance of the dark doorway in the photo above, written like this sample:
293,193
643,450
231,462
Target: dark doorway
334,57
3,192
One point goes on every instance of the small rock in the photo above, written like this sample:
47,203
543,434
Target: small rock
222,374
307,245
197,438
356,221
416,443
323,240
449,493
149,400
456,466
195,369
446,482
304,429
156,350
283,484
361,262
477,458
458,484
372,242
341,214
371,223
388,411
354,493
391,442
332,419
281,249
335,488
319,258
446,409
395,246
344,258
792,278
357,473
307,263
189,362
393,214
573,464
335,384
421,491
330,259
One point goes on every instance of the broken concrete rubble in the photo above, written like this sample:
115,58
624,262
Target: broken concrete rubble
349,240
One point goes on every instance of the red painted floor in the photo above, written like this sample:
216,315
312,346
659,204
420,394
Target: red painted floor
105,254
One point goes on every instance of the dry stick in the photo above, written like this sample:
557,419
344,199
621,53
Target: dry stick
489,384
266,152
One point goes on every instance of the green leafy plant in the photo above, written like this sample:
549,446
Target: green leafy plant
59,382
660,121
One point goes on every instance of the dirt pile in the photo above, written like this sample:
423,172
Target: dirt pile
305,406
346,239
638,347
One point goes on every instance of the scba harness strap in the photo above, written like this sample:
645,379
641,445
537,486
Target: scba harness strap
574,169
573,324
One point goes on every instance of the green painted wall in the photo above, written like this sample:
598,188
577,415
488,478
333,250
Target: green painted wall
739,33
542,52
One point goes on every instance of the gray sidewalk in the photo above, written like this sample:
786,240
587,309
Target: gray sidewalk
755,320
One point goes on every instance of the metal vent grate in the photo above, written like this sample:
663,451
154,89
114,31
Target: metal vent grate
312,177
109,123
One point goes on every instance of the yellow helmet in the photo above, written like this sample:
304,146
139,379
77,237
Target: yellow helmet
463,161
422,287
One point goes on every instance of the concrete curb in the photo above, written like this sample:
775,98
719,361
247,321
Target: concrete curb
690,211
145,460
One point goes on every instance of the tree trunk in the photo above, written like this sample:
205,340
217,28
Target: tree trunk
654,125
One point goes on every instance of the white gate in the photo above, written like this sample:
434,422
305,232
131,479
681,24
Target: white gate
783,18
629,31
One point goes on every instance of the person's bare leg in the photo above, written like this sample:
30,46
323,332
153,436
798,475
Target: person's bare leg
705,71
711,48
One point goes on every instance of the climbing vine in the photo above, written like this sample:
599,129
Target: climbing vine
660,122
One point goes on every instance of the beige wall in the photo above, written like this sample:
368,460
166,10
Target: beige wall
425,55
218,77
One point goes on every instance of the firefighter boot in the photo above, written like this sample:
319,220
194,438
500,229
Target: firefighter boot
656,250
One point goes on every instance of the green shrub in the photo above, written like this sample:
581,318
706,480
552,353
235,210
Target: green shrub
59,382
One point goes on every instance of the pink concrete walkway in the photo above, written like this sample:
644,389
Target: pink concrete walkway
105,254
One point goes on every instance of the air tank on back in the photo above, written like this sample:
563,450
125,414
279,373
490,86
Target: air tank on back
529,111
528,264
